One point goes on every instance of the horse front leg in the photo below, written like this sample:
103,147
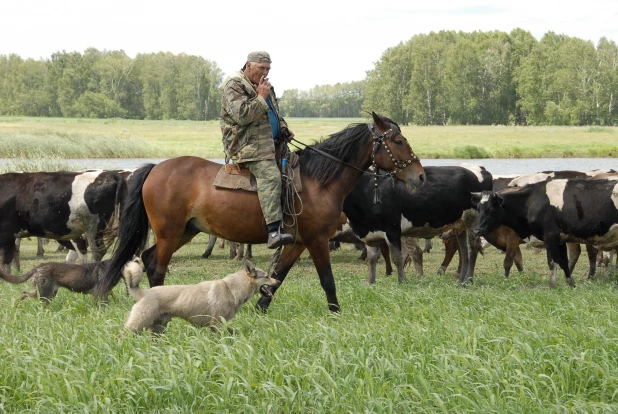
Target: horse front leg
289,256
320,254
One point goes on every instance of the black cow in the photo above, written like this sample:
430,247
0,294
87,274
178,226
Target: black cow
556,212
58,205
443,203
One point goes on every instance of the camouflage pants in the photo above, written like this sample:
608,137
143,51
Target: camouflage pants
268,180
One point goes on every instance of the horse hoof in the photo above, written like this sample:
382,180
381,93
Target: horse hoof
334,308
262,305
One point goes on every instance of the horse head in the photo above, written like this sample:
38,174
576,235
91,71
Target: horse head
392,153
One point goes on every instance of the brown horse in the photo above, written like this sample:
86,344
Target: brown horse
179,199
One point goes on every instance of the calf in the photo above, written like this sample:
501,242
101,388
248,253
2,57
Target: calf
441,204
556,212
58,205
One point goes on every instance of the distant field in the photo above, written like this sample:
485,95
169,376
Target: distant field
35,138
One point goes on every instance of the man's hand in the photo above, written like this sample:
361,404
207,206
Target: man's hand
263,88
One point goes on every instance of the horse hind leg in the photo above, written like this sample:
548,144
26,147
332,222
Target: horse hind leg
157,258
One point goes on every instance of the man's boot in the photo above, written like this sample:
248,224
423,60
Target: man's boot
278,237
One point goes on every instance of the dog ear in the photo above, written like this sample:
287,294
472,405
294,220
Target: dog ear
249,268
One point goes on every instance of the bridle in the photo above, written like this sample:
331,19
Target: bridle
378,139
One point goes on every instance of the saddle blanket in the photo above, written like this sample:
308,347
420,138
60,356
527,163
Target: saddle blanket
237,178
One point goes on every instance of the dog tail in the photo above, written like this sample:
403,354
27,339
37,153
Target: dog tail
133,230
17,279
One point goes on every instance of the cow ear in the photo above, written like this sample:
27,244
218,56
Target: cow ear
476,198
500,200
380,122
249,268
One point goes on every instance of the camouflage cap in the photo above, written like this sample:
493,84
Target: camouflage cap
259,56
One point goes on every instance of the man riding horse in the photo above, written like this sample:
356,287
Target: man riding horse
251,127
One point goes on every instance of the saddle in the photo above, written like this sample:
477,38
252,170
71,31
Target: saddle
237,177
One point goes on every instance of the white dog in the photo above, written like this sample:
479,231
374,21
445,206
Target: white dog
203,304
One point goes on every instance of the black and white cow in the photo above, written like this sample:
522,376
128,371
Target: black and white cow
443,203
58,205
527,179
556,212
573,249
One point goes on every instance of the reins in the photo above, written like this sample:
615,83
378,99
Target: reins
378,139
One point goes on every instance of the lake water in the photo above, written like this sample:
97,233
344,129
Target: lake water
494,166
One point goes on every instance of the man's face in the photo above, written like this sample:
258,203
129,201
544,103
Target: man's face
255,70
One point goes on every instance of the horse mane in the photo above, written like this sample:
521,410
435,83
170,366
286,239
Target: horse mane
344,145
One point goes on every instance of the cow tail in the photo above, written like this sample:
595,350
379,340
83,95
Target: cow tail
132,231
121,196
111,231
17,279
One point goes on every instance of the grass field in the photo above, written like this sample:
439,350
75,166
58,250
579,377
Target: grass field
502,345
34,138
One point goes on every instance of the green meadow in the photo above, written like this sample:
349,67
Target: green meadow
31,139
501,345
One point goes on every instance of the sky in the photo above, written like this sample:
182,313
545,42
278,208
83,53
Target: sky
311,43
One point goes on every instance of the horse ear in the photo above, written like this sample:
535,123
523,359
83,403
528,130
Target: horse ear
379,122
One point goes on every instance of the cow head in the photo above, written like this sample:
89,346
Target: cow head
491,211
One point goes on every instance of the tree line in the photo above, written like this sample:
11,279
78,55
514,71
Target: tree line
106,84
438,78
496,78
342,100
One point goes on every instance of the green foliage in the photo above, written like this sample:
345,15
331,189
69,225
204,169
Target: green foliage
500,345
107,84
343,100
471,152
482,78
443,78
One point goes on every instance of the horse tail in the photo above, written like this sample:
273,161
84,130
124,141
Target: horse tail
132,231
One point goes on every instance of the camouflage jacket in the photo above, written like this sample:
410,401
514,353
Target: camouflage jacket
247,134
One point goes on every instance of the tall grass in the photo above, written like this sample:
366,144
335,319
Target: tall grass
500,345
117,138
50,143
40,164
